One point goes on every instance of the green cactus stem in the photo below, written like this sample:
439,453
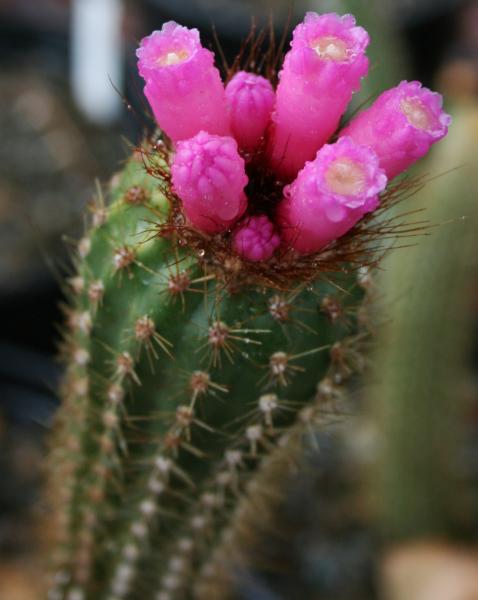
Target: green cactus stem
180,376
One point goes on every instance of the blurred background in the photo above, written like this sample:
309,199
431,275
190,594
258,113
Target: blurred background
70,104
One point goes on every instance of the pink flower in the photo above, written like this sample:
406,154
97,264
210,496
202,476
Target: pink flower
401,125
335,185
330,195
256,239
250,99
183,86
209,177
321,71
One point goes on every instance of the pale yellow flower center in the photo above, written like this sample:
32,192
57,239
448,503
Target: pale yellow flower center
345,177
416,113
173,58
331,48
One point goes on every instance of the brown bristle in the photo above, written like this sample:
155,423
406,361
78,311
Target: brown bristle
362,246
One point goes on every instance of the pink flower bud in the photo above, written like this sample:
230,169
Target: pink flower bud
330,195
250,99
209,177
183,86
256,239
320,73
401,125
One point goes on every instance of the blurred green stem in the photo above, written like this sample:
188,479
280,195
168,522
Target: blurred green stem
422,349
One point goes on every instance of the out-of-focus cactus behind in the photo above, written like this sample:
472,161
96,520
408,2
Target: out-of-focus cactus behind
420,369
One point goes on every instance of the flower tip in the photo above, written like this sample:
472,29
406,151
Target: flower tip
347,19
334,38
423,108
173,44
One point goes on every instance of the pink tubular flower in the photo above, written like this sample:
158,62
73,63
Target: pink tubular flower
330,195
183,86
250,99
400,126
320,73
209,177
256,239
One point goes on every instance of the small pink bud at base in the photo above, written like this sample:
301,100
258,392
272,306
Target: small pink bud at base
209,177
400,126
183,86
330,195
321,71
256,239
250,99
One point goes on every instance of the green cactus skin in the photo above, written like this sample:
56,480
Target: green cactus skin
417,401
175,387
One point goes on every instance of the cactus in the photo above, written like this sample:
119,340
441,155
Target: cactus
215,291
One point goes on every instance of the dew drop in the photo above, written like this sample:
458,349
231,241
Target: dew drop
201,252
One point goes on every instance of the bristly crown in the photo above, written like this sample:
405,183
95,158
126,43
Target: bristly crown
273,151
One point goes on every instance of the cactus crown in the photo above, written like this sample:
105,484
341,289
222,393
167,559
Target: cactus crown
286,269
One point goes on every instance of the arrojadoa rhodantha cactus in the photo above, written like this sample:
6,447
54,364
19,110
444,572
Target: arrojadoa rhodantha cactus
216,292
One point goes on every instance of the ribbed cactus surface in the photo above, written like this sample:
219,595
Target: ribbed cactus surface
175,386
